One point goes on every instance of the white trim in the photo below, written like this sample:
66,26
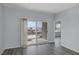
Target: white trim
1,51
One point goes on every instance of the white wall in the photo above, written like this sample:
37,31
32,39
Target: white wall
12,29
1,26
70,28
1,29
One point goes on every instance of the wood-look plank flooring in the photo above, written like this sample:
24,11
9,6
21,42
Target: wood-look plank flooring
45,49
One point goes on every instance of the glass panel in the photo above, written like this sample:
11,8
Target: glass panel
31,32
41,32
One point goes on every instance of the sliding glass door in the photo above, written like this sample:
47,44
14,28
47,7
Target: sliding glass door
31,32
41,32
36,32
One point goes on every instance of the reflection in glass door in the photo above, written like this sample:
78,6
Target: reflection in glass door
36,32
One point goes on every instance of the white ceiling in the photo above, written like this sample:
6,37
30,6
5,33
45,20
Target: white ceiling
47,7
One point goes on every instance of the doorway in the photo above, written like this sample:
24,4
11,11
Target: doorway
35,32
58,29
57,33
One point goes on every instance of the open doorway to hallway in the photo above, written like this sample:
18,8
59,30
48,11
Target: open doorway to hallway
57,33
57,29
35,32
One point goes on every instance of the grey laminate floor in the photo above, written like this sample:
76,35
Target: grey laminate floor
45,49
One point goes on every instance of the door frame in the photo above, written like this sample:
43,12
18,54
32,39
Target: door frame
22,36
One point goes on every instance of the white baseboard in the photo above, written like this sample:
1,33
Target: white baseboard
70,50
1,51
